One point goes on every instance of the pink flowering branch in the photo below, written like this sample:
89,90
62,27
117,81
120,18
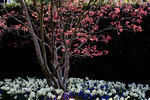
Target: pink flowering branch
70,30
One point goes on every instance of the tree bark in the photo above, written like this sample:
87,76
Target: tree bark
44,67
66,69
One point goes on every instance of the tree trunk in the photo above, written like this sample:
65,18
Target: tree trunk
66,69
62,71
45,69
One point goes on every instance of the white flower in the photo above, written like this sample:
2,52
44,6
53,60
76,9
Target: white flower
25,95
41,92
72,89
51,88
127,98
126,93
50,95
113,91
17,91
146,87
97,99
59,97
32,95
29,89
86,78
1,83
77,90
7,80
110,94
93,92
20,86
15,97
87,91
110,99
91,85
133,94
24,89
8,92
6,88
143,95
121,98
116,97
59,91
79,86
99,91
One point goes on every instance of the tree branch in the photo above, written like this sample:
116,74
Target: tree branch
74,33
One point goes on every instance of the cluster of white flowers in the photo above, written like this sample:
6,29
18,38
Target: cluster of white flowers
34,88
30,88
105,90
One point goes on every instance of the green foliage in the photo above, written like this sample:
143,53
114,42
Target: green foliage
13,5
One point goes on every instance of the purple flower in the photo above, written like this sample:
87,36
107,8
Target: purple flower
85,97
90,97
101,87
95,84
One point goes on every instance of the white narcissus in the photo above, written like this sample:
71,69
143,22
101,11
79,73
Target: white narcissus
41,92
50,95
59,97
59,91
87,91
110,99
77,85
32,95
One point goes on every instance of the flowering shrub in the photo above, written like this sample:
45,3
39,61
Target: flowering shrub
120,17
77,89
70,30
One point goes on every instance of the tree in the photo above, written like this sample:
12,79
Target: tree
62,30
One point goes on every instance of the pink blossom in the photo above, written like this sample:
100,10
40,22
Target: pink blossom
145,13
91,13
101,14
108,37
45,19
76,44
127,22
106,52
12,12
67,41
139,21
121,30
134,13
148,8
0,32
118,33
63,50
8,14
139,29
117,10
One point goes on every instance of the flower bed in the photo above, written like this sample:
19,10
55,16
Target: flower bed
77,88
